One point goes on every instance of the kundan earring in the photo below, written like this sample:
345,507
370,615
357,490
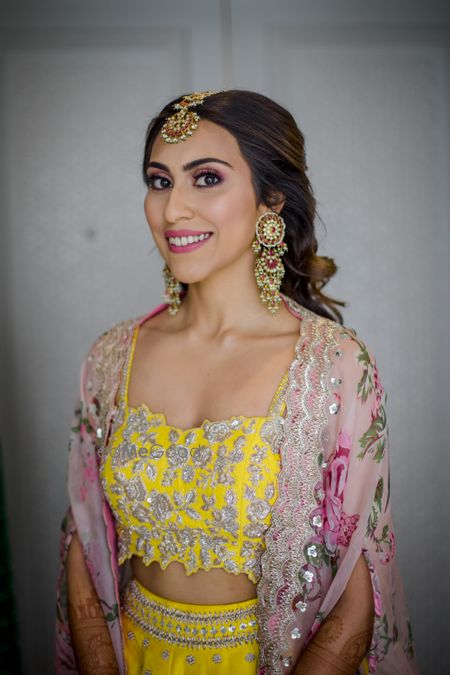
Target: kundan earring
173,290
269,247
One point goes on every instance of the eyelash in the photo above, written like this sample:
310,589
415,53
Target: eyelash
205,172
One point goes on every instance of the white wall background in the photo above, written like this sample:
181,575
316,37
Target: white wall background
369,86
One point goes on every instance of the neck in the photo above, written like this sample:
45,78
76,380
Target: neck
226,302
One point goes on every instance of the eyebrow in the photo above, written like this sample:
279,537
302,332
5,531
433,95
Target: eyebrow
190,165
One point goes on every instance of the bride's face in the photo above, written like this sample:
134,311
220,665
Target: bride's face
201,204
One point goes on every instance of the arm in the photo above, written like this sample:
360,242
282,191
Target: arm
92,643
89,513
343,639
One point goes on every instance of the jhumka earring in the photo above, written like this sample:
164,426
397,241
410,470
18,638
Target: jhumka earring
180,125
269,247
173,290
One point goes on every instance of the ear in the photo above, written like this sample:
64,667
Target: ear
277,203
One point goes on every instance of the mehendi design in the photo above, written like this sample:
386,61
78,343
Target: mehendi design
87,608
322,655
331,629
356,647
91,638
349,656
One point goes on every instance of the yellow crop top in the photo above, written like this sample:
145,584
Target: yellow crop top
200,496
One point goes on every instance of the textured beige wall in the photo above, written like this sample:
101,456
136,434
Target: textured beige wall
369,86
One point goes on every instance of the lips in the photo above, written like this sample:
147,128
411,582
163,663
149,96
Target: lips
184,233
183,241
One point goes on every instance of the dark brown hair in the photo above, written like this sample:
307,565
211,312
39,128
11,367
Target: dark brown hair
274,148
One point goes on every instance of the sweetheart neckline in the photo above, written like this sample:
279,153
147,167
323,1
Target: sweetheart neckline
205,422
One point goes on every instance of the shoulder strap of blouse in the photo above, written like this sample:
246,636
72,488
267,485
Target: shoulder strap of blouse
103,370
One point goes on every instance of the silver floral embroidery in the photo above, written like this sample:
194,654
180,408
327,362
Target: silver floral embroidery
271,432
180,500
186,522
188,628
201,455
134,490
177,455
217,432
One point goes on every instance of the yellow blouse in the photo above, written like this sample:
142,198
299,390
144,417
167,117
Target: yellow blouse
200,496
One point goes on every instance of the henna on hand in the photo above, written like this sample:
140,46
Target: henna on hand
357,646
91,638
316,656
332,629
326,654
92,644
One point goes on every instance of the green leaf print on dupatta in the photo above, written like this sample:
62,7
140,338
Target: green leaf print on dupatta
366,383
374,438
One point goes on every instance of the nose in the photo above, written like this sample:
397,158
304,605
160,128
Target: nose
177,205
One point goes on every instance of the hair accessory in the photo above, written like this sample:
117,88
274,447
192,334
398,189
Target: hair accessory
173,290
180,125
269,247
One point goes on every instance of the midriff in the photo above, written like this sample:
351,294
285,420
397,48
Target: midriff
212,587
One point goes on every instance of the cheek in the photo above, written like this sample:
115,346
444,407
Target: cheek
147,207
235,211
151,212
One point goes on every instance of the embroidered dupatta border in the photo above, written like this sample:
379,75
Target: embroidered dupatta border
300,493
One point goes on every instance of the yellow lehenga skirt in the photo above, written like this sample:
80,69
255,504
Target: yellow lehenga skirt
162,637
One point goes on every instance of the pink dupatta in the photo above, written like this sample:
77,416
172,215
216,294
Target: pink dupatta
333,499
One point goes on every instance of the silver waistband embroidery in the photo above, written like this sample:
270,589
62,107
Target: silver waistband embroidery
187,628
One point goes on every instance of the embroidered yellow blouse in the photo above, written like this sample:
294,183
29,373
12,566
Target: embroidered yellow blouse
200,496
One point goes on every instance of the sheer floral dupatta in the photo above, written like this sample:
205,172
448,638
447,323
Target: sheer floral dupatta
333,504
333,499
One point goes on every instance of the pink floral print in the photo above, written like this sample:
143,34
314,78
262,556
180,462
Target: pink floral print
338,526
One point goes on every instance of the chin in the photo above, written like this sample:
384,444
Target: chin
187,277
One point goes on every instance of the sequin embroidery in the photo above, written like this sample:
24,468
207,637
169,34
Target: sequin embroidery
200,496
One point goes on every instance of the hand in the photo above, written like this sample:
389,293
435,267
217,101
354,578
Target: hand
92,642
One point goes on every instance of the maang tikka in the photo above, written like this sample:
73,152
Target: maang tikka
269,248
180,125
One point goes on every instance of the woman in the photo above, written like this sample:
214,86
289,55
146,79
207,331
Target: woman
220,522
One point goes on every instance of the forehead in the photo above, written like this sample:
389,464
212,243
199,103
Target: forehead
208,140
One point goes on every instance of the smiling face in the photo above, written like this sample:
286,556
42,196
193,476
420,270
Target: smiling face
201,204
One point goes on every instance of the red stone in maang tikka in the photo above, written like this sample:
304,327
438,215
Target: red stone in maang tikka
180,125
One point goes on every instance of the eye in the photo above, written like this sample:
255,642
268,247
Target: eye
152,182
207,178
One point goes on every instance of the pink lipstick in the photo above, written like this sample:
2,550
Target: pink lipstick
184,241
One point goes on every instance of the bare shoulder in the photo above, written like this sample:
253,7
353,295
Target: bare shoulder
161,323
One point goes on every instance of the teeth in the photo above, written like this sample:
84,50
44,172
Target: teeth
191,239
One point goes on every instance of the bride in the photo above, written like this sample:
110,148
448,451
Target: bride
228,467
